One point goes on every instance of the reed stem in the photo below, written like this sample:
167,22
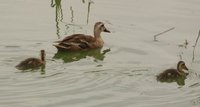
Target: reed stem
162,33
194,47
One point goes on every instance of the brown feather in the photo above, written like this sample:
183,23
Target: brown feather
77,42
76,38
30,63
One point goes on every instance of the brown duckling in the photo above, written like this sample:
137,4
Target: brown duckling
32,63
173,74
78,42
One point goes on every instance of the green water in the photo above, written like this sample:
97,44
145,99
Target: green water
122,73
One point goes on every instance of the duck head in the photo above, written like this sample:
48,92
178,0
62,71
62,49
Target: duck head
99,27
181,67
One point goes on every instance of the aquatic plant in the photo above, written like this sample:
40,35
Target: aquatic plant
163,33
193,55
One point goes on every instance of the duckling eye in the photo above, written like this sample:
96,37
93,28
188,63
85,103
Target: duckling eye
183,65
102,26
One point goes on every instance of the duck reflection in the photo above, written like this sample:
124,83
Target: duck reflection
39,69
179,80
42,71
68,57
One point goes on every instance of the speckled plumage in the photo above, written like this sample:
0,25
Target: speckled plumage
173,74
78,42
32,63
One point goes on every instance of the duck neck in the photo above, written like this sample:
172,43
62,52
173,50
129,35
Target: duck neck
97,34
180,70
43,57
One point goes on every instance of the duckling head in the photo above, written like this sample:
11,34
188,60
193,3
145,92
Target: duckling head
181,67
99,27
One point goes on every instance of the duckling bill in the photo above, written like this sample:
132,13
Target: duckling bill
78,42
171,75
32,63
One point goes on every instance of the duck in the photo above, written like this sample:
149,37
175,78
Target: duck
32,63
78,42
169,75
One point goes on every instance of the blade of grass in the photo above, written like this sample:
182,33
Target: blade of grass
195,46
163,33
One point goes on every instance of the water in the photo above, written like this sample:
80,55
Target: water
121,74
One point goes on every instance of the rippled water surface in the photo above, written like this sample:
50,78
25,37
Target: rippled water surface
121,74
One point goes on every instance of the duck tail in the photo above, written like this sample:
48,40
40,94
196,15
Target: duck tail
57,42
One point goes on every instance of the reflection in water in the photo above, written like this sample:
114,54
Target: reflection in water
68,57
179,80
67,25
88,14
59,14
72,14
41,69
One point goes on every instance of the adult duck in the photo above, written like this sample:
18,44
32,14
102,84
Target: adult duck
173,74
32,63
78,42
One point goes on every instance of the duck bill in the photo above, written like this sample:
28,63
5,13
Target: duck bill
185,68
106,30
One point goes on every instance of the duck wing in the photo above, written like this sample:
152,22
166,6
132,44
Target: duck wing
171,74
75,42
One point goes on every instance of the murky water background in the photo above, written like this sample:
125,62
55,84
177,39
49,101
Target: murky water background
121,74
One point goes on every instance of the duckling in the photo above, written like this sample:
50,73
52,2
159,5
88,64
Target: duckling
78,42
32,63
173,74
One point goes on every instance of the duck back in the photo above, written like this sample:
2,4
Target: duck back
30,63
168,74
